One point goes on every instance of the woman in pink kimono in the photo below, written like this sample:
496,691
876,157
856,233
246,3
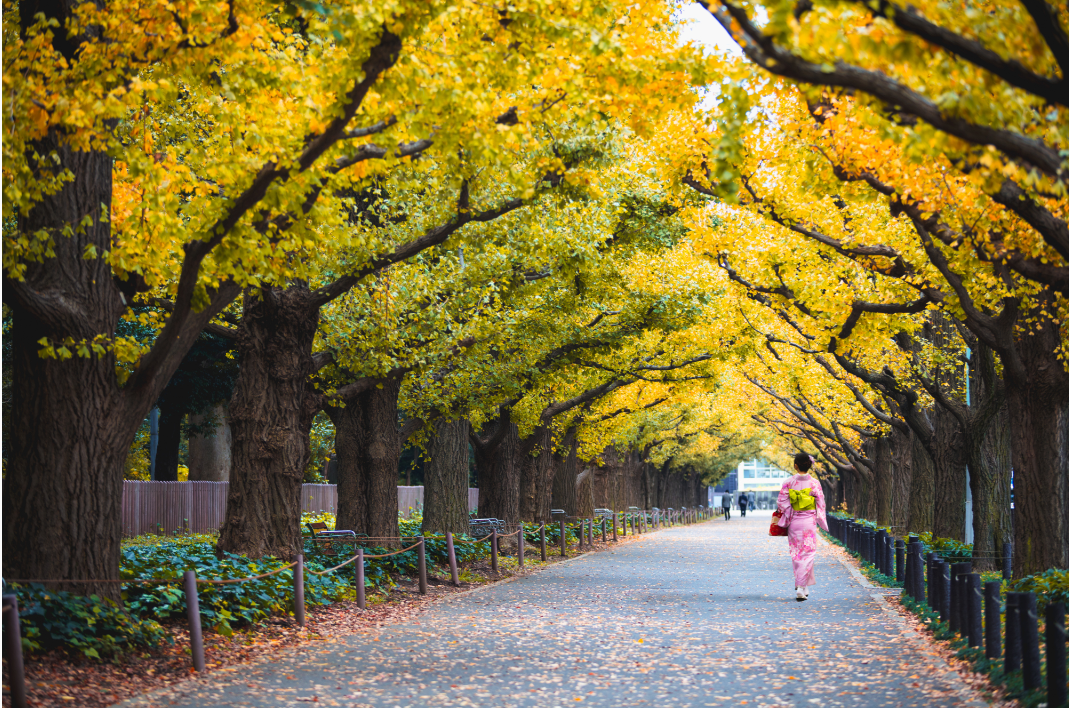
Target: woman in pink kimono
801,508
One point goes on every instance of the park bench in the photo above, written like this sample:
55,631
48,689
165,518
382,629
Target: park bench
554,513
324,538
603,513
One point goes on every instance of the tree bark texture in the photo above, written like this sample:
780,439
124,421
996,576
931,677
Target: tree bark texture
584,493
368,444
883,455
270,418
71,428
902,472
536,475
990,464
922,488
445,479
566,466
497,462
209,450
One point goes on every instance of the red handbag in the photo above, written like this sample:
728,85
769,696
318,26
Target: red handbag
775,529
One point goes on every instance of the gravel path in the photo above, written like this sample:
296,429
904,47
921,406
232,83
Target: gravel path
694,616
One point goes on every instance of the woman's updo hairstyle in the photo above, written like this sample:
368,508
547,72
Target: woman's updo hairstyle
803,461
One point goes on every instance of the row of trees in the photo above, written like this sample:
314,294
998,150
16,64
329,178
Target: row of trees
433,222
902,182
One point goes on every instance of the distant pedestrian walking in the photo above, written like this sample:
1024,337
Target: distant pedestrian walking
744,502
725,504
801,503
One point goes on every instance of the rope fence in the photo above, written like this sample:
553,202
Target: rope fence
639,520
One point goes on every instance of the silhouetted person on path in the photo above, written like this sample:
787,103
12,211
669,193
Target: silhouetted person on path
725,503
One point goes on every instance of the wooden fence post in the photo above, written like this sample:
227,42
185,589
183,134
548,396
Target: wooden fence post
298,590
360,579
452,559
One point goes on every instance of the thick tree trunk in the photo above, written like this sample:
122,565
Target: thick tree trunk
270,418
497,461
209,450
536,475
564,494
884,480
902,472
70,427
1039,423
949,503
584,493
368,444
167,448
445,479
922,488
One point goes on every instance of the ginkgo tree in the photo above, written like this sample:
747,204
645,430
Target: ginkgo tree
196,151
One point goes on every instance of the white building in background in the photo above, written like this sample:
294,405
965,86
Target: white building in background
761,482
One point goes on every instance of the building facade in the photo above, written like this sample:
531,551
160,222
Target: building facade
760,481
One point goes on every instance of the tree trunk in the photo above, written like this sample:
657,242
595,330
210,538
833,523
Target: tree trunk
949,503
445,479
209,450
536,475
922,488
564,494
884,480
270,418
497,461
368,444
168,446
902,471
584,493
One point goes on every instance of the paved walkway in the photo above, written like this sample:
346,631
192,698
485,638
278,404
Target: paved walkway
694,616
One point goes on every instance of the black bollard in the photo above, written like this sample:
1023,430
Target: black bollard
451,550
563,541
900,558
1012,661
929,559
943,577
542,541
493,550
992,620
1030,669
974,624
1055,616
957,596
13,651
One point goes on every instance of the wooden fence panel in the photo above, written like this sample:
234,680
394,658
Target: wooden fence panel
195,507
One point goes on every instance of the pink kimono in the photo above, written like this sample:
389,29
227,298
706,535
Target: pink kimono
802,527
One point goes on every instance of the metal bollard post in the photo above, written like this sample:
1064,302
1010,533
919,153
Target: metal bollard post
542,541
900,557
614,527
1012,661
590,531
1007,560
974,624
13,651
454,575
493,550
421,554
298,590
360,578
958,611
579,547
519,545
992,620
196,640
943,579
1055,616
563,541
1030,669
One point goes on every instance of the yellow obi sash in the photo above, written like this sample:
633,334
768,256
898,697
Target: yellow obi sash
802,499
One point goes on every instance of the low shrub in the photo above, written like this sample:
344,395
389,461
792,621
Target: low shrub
221,606
1049,586
94,627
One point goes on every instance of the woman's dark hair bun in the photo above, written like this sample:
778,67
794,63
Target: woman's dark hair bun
803,461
